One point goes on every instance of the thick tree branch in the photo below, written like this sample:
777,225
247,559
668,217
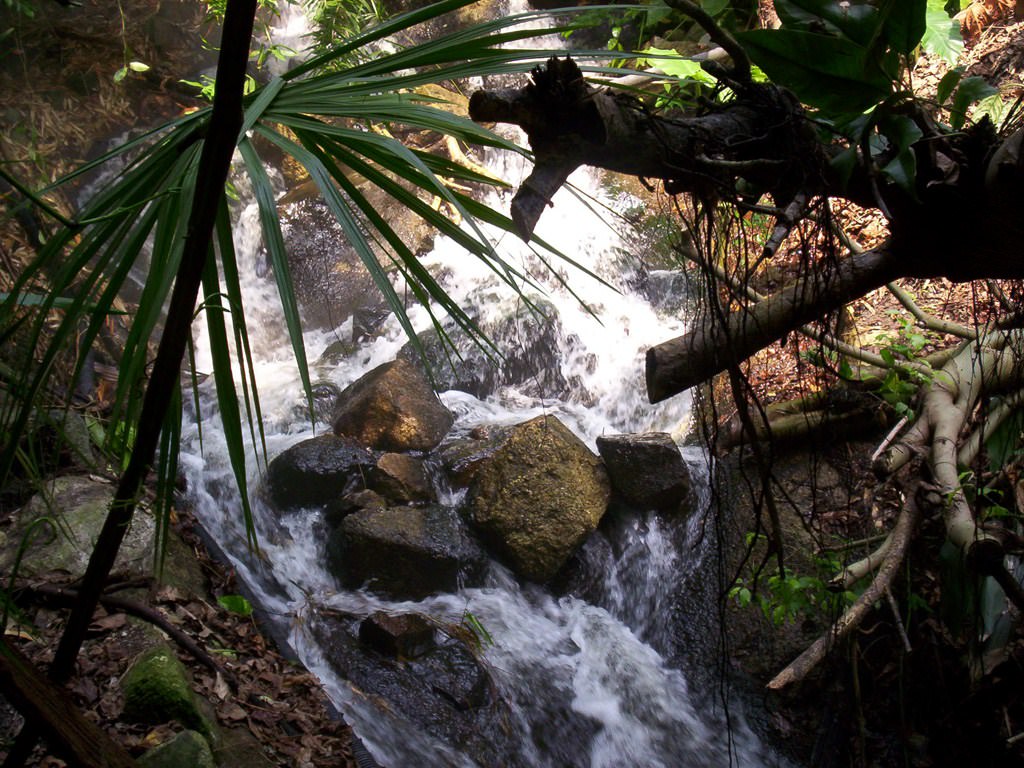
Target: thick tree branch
762,139
687,360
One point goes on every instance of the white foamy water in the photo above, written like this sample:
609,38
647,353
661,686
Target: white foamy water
583,680
593,663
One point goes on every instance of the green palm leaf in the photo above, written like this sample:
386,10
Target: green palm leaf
134,225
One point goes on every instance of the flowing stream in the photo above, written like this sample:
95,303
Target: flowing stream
597,676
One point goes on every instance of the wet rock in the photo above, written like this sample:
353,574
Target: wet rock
62,524
157,690
646,470
539,495
331,282
530,342
405,636
454,672
405,552
338,509
185,748
400,478
393,408
315,471
444,693
66,434
463,457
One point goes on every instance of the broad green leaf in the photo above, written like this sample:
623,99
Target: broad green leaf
905,24
714,7
995,108
946,85
971,89
138,66
942,34
235,604
830,73
857,21
845,162
675,65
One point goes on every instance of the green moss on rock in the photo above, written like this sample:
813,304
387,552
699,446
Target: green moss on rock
187,748
157,689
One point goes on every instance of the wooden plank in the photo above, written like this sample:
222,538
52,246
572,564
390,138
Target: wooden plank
49,708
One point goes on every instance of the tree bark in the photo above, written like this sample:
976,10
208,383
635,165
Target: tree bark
761,138
49,711
687,360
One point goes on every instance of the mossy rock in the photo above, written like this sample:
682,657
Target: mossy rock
157,690
187,748
71,511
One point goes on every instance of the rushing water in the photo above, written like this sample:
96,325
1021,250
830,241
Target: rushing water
587,682
593,677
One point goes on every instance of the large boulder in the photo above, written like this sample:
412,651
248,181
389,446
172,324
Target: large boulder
406,553
537,497
315,471
393,408
646,470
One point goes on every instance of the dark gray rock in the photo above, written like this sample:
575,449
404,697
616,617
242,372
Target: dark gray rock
646,470
315,471
405,552
393,408
401,478
60,525
331,282
445,693
537,497
454,672
405,636
338,509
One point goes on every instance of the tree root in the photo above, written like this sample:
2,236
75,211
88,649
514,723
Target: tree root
900,537
139,610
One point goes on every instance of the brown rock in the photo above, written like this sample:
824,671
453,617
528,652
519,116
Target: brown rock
393,408
405,636
401,478
538,497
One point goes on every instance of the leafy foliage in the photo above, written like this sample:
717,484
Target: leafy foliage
134,227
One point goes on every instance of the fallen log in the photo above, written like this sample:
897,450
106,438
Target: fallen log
48,708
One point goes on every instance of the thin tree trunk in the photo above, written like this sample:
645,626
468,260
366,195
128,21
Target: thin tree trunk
214,164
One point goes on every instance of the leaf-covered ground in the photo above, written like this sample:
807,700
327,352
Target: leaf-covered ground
271,710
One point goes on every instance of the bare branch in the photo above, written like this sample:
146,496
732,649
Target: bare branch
800,667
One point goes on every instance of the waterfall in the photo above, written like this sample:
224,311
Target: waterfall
584,679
